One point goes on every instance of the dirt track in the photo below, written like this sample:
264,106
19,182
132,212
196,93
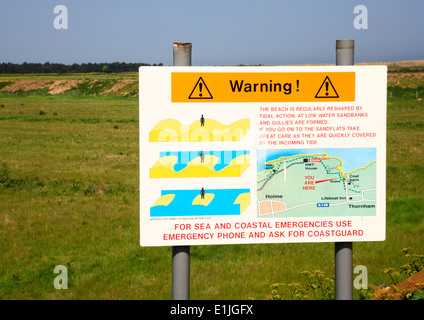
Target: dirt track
120,87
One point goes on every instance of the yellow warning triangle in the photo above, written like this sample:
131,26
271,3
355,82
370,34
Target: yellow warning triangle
200,91
327,90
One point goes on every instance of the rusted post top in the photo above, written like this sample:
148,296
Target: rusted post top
345,44
182,53
181,44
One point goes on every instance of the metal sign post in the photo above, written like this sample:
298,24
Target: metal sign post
213,177
343,250
181,254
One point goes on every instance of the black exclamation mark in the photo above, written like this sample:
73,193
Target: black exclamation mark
200,89
297,85
326,88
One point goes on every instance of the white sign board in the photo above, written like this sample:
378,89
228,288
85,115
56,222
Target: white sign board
233,155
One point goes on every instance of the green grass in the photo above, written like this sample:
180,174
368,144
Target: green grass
69,195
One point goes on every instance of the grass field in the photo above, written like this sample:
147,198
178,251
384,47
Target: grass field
69,195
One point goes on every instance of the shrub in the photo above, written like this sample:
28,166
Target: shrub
291,291
317,286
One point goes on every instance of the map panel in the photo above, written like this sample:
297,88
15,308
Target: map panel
315,184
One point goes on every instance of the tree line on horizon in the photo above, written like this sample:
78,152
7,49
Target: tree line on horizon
47,67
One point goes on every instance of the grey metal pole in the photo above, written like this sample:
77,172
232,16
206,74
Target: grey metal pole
343,250
181,273
345,52
181,254
343,274
182,54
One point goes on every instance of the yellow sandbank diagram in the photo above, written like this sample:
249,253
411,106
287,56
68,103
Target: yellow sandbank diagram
203,201
242,199
171,130
164,200
164,167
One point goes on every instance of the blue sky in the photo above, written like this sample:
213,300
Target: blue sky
222,32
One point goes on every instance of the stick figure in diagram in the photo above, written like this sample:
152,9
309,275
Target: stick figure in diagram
202,157
202,194
202,121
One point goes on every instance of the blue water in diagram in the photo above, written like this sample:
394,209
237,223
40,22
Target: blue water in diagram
181,205
184,157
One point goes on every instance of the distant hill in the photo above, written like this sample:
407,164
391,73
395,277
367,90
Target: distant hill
29,68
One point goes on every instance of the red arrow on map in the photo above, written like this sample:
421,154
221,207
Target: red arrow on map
319,181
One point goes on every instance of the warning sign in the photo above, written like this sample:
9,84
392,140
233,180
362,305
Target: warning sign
262,86
200,91
327,90
243,155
